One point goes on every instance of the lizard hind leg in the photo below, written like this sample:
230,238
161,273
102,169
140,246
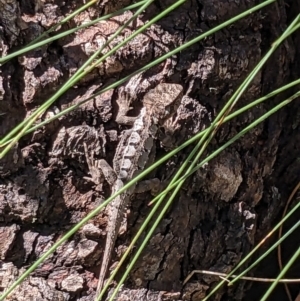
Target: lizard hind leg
153,185
108,172
93,166
98,169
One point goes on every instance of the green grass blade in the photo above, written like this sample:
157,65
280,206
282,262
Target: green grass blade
49,252
157,220
126,186
281,274
162,58
65,20
265,116
67,32
228,118
98,209
82,71
157,204
233,100
274,246
146,240
25,125
236,137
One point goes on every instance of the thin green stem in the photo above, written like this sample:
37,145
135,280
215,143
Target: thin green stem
65,20
157,204
281,275
228,118
67,32
239,135
175,186
162,58
23,126
81,72
278,242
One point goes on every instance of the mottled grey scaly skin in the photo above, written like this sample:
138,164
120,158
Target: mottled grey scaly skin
132,155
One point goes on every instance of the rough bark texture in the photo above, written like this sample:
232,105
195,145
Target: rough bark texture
222,210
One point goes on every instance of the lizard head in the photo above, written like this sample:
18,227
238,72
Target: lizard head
163,101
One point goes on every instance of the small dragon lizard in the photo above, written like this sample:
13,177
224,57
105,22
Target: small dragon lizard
132,154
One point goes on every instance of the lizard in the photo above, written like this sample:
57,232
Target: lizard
132,154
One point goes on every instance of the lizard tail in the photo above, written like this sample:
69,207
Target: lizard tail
103,270
116,208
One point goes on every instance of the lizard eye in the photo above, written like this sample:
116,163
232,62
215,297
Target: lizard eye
123,174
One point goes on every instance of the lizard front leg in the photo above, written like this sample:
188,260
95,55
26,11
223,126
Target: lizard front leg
124,102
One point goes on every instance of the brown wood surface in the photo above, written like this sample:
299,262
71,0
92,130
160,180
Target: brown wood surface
222,211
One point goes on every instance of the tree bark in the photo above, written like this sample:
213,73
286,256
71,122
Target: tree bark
222,211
